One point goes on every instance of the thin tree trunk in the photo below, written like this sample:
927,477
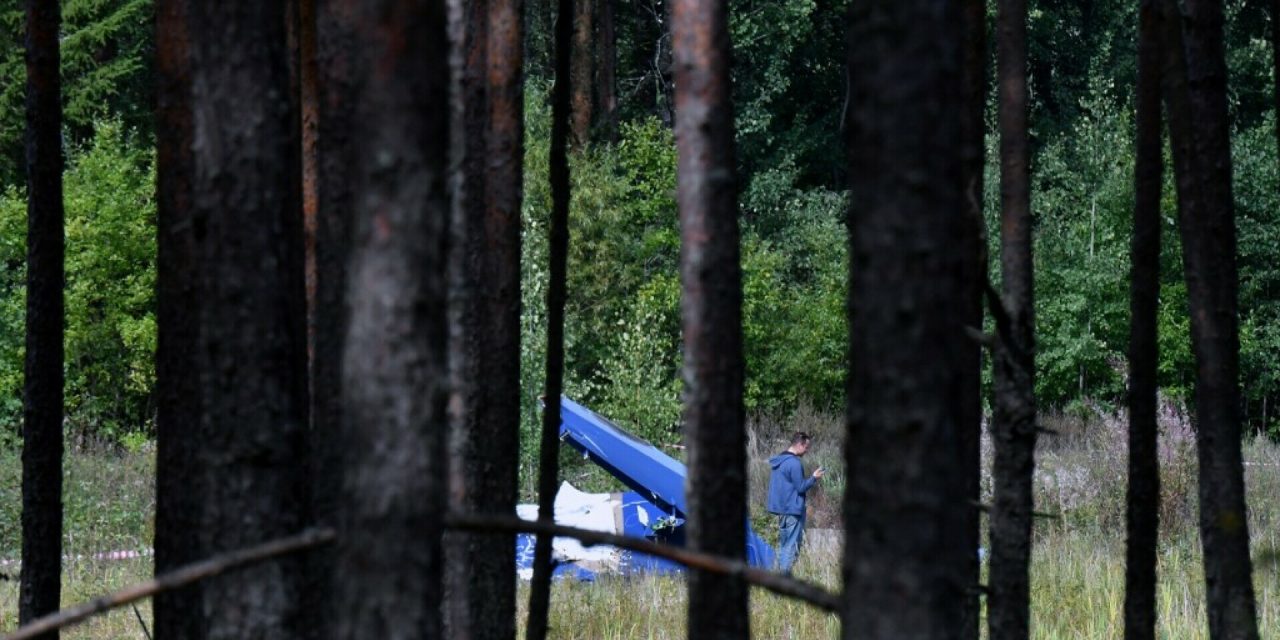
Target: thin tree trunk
607,72
905,566
178,480
1275,74
583,72
558,247
1143,514
1014,416
712,313
41,574
973,127
484,323
1199,130
387,572
252,328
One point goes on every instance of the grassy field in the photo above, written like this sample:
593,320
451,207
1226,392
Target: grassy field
1077,573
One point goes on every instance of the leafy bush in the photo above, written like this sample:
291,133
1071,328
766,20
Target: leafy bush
110,288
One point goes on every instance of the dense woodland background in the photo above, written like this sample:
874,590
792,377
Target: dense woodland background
623,344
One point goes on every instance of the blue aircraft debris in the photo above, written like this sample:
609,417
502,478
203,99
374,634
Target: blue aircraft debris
654,508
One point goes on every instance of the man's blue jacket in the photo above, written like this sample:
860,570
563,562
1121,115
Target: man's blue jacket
787,485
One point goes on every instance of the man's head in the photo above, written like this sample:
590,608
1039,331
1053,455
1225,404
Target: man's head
799,443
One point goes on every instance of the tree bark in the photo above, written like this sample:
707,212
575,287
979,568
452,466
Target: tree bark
1275,79
607,73
711,313
41,575
252,313
558,251
973,128
1195,90
583,72
179,492
484,316
387,572
1014,416
905,566
1143,514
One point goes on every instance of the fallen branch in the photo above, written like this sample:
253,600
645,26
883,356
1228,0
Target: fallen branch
775,582
180,577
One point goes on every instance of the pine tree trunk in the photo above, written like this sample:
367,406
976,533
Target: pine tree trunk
711,305
179,492
484,322
973,127
387,572
337,59
905,566
1014,415
607,73
583,72
558,251
251,348
41,575
1199,130
1143,515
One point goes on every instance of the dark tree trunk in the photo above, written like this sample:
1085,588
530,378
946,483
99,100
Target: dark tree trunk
251,348
607,72
336,61
1143,515
583,72
1275,78
1199,129
178,478
558,248
387,573
304,91
973,128
711,313
905,566
484,324
1014,415
41,574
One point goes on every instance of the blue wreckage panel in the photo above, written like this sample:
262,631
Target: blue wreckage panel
655,507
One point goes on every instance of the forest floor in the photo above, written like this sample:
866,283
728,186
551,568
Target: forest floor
1077,572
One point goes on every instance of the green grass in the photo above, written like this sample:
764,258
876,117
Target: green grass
1077,572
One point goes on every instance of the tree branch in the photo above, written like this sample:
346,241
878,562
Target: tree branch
178,578
775,582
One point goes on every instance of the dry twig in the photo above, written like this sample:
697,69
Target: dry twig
174,579
775,582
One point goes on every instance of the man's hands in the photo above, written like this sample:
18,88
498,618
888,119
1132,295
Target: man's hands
819,472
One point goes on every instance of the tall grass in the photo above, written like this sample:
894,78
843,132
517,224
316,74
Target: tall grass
1077,570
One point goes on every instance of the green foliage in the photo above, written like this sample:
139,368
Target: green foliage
107,49
110,261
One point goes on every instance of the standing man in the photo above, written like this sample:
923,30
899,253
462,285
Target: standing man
787,489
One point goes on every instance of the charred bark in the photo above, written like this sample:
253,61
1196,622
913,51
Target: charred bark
583,72
558,249
1195,83
607,70
484,310
973,133
41,575
1014,415
711,303
387,566
904,565
179,492
1143,515
251,349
